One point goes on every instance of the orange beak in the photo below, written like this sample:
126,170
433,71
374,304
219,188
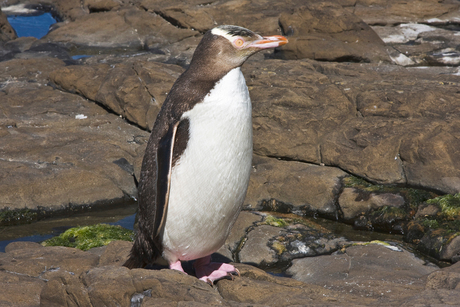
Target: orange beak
269,42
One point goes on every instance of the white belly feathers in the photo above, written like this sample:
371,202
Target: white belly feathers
209,182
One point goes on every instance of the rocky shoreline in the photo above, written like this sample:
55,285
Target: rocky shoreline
355,120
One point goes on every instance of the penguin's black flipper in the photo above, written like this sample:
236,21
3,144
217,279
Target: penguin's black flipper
153,204
164,165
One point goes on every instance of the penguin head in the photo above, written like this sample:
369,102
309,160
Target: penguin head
226,47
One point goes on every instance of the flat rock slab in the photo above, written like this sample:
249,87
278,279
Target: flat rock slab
59,149
277,185
368,271
363,275
356,116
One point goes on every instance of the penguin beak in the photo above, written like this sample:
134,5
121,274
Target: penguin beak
266,42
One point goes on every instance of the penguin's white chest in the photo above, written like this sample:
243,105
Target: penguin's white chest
209,181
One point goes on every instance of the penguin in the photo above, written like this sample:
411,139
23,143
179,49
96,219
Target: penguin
197,162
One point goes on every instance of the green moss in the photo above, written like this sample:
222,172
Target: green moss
87,237
279,247
413,197
20,216
429,223
277,222
449,204
389,212
359,183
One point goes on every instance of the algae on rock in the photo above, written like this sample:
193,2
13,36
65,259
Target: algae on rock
88,237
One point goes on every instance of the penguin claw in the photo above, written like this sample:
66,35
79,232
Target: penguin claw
211,272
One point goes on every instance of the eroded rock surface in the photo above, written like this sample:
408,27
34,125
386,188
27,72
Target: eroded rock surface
362,275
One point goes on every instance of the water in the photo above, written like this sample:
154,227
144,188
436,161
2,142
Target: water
45,229
31,25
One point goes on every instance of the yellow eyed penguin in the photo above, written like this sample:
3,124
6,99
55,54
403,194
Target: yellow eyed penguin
197,163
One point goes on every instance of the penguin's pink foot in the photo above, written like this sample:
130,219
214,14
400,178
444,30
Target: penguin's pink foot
177,266
210,272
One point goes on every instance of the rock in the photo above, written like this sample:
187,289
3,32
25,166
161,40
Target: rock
427,210
280,291
325,31
260,16
130,29
399,11
237,235
135,89
447,278
283,183
366,271
440,243
422,44
353,202
71,146
38,261
116,253
18,290
6,31
256,250
365,275
276,241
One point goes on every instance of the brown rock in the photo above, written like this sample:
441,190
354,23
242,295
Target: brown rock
294,108
245,221
126,28
256,250
354,202
380,272
101,5
136,90
116,253
18,290
325,31
426,210
6,31
37,261
109,286
286,182
59,143
259,16
281,291
400,11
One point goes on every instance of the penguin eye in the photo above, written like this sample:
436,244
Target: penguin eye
239,42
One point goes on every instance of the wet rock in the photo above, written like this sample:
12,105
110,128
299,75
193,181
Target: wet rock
425,210
277,185
276,241
256,250
245,221
325,31
422,44
354,202
366,271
